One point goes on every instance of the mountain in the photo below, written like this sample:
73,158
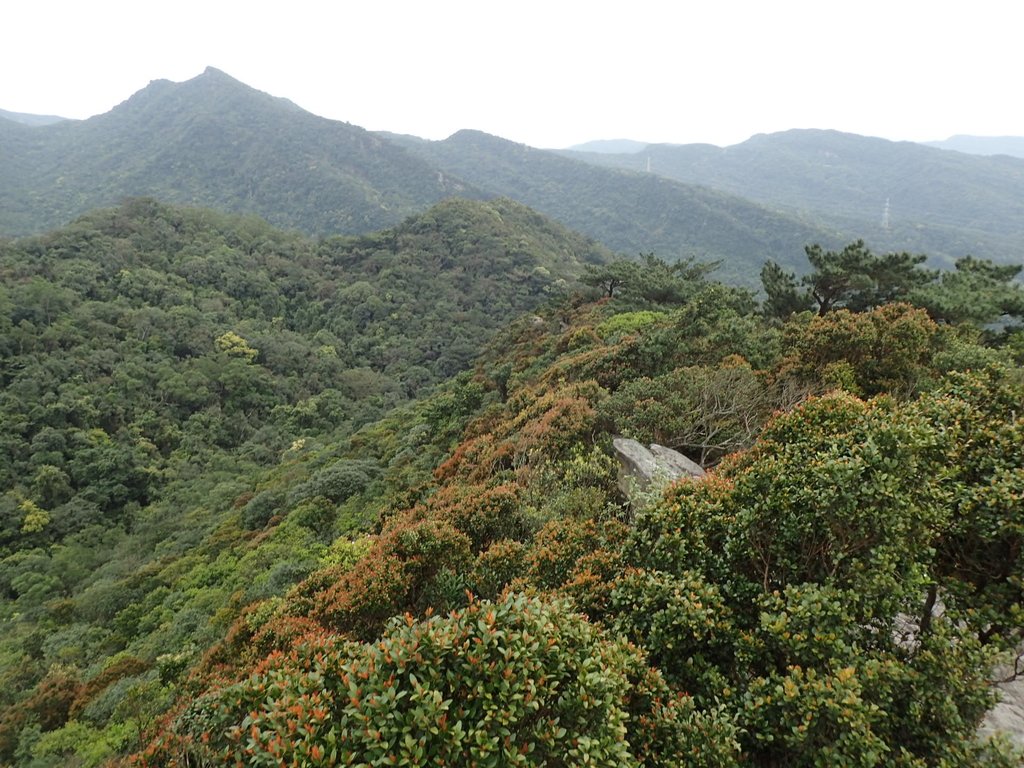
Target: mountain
610,146
171,376
896,195
982,145
627,211
28,119
214,141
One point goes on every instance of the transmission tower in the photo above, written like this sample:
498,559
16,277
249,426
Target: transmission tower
885,215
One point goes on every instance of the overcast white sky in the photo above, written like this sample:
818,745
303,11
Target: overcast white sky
549,74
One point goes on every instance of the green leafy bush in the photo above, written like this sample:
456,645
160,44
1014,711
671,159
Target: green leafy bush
520,682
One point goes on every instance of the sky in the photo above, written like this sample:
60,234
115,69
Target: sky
548,74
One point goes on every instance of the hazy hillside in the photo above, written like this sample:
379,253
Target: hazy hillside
213,141
941,203
983,145
610,146
629,212
216,142
29,119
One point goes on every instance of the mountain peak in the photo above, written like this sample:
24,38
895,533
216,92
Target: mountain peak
212,75
474,137
213,90
213,140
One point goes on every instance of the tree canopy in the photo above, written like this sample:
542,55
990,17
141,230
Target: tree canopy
976,291
270,500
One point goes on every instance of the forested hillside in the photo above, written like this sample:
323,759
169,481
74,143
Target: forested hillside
629,212
243,525
780,612
213,141
155,362
216,142
945,204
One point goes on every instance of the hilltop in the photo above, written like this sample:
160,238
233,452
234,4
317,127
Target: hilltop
214,141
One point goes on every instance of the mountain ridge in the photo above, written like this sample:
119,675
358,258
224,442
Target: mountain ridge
628,211
941,203
213,140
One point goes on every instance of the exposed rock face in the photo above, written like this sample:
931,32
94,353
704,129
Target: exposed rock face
643,469
675,462
1007,717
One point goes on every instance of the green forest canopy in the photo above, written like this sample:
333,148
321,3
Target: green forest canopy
239,525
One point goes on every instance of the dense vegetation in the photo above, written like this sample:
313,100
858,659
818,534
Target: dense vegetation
155,360
941,203
628,212
213,141
244,524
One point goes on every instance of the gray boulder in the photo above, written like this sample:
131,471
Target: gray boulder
675,463
643,470
1007,717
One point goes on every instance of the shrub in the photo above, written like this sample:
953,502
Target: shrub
520,682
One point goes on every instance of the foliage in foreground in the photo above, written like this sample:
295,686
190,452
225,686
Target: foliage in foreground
786,603
521,681
180,393
779,612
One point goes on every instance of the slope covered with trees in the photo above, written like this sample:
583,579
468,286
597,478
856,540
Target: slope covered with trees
155,363
213,141
779,612
629,212
945,204
241,528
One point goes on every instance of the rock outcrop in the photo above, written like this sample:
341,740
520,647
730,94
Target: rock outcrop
643,470
1007,717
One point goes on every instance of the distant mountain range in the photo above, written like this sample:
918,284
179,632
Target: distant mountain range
972,145
27,119
629,212
214,141
896,195
983,145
